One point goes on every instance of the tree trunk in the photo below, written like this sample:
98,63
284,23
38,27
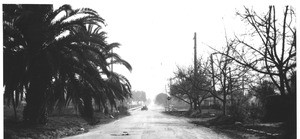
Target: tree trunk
99,107
199,106
195,104
35,110
88,107
282,85
224,105
191,104
15,107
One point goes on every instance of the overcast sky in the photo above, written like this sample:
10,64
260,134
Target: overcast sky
157,35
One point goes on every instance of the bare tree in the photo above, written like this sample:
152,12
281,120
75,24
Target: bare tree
190,88
229,77
275,55
182,91
220,76
270,49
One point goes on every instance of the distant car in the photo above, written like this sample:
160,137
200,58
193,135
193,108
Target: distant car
144,108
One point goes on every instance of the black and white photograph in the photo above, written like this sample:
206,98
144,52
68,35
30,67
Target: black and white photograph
152,69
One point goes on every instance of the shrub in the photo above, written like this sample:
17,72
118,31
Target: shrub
244,109
195,114
123,110
222,120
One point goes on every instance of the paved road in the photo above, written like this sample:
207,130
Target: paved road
151,124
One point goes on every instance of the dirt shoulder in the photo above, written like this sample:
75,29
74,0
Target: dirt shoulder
58,126
235,130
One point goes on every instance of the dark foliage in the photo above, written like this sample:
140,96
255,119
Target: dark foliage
161,99
52,58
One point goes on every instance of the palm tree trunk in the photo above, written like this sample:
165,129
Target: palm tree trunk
35,100
15,108
88,106
35,109
88,111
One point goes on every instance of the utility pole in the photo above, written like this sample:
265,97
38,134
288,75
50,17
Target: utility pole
230,86
111,60
195,70
243,85
195,54
170,83
213,76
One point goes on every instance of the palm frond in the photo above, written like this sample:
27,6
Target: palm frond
118,60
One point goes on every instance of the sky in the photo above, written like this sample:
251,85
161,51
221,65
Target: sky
156,36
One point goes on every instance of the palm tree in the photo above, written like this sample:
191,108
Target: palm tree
55,57
23,62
